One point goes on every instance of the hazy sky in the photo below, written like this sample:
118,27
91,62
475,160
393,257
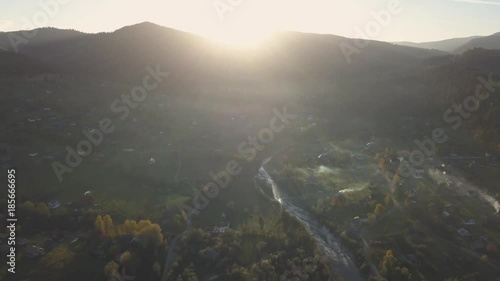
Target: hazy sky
419,20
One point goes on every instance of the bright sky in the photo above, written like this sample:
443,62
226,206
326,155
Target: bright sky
419,20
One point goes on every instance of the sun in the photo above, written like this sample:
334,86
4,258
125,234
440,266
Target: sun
241,38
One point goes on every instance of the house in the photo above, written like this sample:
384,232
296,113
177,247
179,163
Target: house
418,173
368,146
469,222
54,204
34,252
463,232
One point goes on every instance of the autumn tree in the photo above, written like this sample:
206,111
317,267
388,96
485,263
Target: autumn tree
111,269
381,161
126,258
389,201
129,226
27,207
99,225
335,202
395,181
387,263
492,248
402,273
379,210
150,235
42,210
188,274
109,227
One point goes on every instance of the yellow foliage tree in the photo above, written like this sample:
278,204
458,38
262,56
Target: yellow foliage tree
143,224
99,225
28,207
387,263
389,201
151,235
379,210
109,227
395,181
126,258
110,269
42,210
129,226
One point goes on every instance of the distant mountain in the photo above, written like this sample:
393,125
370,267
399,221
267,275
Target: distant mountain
36,37
459,45
453,80
125,53
448,45
487,42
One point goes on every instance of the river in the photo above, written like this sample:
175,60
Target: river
341,260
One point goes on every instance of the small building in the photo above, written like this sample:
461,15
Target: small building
469,222
369,145
418,173
54,204
219,230
463,232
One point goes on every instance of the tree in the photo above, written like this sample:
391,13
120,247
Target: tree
151,236
335,202
389,201
129,226
395,181
27,207
492,248
109,227
126,258
188,274
42,210
99,225
402,273
387,263
379,210
111,269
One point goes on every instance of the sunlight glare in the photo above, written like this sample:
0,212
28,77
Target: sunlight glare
247,38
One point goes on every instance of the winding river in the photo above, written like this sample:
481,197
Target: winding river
341,261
